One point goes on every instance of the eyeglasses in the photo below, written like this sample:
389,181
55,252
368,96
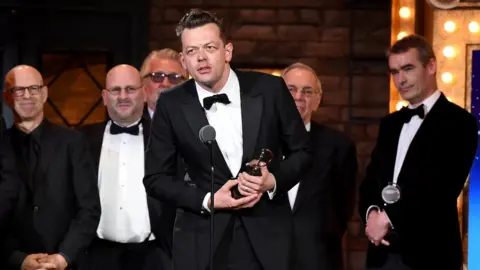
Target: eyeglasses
158,77
115,91
306,92
19,91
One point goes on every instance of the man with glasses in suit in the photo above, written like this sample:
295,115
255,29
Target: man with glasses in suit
57,208
160,70
118,152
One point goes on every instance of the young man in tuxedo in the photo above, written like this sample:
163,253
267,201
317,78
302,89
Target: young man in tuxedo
118,150
250,111
323,201
57,210
160,70
422,158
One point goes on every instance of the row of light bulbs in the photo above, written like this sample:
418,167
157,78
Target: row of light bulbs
449,51
405,13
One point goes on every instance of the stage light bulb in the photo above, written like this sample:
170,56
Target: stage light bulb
401,104
401,35
404,12
449,51
449,26
473,27
447,77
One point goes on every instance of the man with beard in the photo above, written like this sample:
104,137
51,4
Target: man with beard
57,208
250,111
160,70
134,231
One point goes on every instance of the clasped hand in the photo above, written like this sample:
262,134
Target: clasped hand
44,262
377,227
252,187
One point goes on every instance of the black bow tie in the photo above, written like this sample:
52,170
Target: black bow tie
208,101
116,129
409,113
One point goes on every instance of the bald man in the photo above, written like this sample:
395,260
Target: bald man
58,208
134,230
323,201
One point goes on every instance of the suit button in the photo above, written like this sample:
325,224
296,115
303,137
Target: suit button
35,208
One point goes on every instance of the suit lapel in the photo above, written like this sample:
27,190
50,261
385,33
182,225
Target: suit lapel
48,149
146,130
96,140
196,118
252,107
424,133
303,188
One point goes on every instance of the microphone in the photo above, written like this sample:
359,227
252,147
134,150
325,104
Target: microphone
207,135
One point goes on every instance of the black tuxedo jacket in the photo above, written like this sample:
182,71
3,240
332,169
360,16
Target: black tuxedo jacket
433,174
324,201
9,187
269,120
161,216
62,208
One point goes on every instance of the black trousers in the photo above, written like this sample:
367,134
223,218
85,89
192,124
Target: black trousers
394,262
235,251
105,254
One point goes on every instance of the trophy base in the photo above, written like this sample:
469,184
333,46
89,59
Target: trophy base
236,193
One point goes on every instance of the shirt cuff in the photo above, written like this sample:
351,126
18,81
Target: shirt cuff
205,202
271,194
372,207
65,257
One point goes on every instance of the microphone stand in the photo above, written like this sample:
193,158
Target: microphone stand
212,202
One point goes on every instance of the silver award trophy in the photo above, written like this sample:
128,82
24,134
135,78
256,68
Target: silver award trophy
391,193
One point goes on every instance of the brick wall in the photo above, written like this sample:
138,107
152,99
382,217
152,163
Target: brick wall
275,33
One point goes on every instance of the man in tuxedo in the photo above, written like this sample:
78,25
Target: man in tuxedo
422,158
250,111
118,150
323,201
160,70
57,209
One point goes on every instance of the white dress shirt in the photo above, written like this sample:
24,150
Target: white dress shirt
292,193
227,121
406,136
150,112
125,217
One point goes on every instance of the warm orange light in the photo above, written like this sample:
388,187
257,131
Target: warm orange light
449,26
449,51
447,77
473,27
405,12
401,35
401,104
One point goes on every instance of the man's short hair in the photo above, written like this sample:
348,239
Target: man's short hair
425,50
199,17
166,53
306,67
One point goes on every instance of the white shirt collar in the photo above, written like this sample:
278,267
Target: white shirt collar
150,112
228,89
308,126
428,102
